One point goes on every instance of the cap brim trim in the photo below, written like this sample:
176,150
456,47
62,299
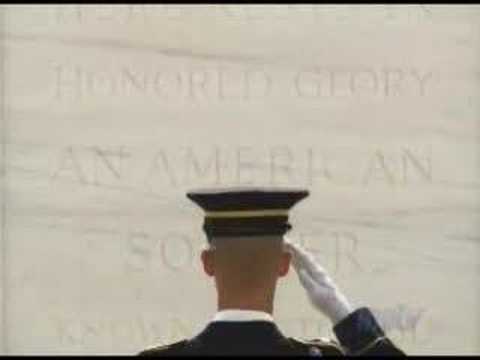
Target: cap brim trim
246,213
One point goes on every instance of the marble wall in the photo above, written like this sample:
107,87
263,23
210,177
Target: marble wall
110,113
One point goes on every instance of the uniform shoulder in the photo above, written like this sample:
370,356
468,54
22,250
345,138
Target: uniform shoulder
164,350
320,346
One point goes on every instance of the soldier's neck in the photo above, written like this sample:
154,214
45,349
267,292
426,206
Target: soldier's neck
254,303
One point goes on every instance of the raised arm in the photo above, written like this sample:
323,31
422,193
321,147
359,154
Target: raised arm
356,329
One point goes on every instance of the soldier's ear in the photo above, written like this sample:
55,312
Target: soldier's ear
284,265
207,256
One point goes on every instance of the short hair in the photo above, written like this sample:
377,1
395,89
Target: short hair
248,262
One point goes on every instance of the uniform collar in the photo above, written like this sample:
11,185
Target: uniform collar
242,315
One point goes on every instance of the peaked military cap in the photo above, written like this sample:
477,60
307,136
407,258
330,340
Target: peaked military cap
246,211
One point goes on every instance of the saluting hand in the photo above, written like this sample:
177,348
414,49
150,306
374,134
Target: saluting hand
322,291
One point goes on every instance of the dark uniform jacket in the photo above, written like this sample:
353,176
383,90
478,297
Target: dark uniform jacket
358,334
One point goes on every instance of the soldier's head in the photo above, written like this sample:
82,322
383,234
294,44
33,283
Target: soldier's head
245,268
245,229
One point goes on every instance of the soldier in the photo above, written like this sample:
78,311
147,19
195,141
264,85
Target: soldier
246,256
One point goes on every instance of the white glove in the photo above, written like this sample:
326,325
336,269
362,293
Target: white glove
322,291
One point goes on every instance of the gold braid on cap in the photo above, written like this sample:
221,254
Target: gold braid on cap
245,213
